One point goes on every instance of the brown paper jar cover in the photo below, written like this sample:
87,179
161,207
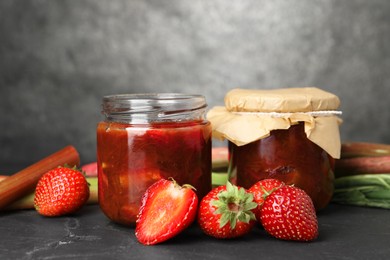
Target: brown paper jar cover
280,100
251,114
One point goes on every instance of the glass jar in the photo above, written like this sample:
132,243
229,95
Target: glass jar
287,155
146,137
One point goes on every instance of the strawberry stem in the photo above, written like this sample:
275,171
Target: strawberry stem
234,204
185,186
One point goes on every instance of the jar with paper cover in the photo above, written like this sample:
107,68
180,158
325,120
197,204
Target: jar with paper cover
290,134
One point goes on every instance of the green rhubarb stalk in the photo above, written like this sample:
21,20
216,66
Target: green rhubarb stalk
93,190
219,178
371,190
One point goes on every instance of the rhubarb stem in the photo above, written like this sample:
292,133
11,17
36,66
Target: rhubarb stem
22,183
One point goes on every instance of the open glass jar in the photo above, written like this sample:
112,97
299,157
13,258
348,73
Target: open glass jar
146,137
287,134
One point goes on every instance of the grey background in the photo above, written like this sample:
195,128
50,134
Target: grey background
58,58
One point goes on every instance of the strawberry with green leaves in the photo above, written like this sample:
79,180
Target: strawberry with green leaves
166,210
61,191
227,212
288,213
261,190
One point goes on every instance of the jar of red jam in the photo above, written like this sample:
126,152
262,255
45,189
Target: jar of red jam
287,134
146,137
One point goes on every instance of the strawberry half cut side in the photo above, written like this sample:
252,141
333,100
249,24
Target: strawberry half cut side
166,209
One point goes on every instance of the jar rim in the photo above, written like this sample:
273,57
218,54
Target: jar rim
151,96
155,105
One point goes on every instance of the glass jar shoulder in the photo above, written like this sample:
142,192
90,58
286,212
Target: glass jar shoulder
104,125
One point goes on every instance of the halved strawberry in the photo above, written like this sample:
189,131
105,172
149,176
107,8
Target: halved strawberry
226,212
261,190
166,209
288,213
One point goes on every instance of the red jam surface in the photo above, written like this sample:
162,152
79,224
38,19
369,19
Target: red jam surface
132,157
287,155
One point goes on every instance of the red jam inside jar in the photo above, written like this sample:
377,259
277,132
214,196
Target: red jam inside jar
287,155
156,136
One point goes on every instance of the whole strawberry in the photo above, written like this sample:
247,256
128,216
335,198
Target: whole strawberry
166,210
227,212
261,190
61,191
288,213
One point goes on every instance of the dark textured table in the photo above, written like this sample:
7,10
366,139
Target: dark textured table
346,232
